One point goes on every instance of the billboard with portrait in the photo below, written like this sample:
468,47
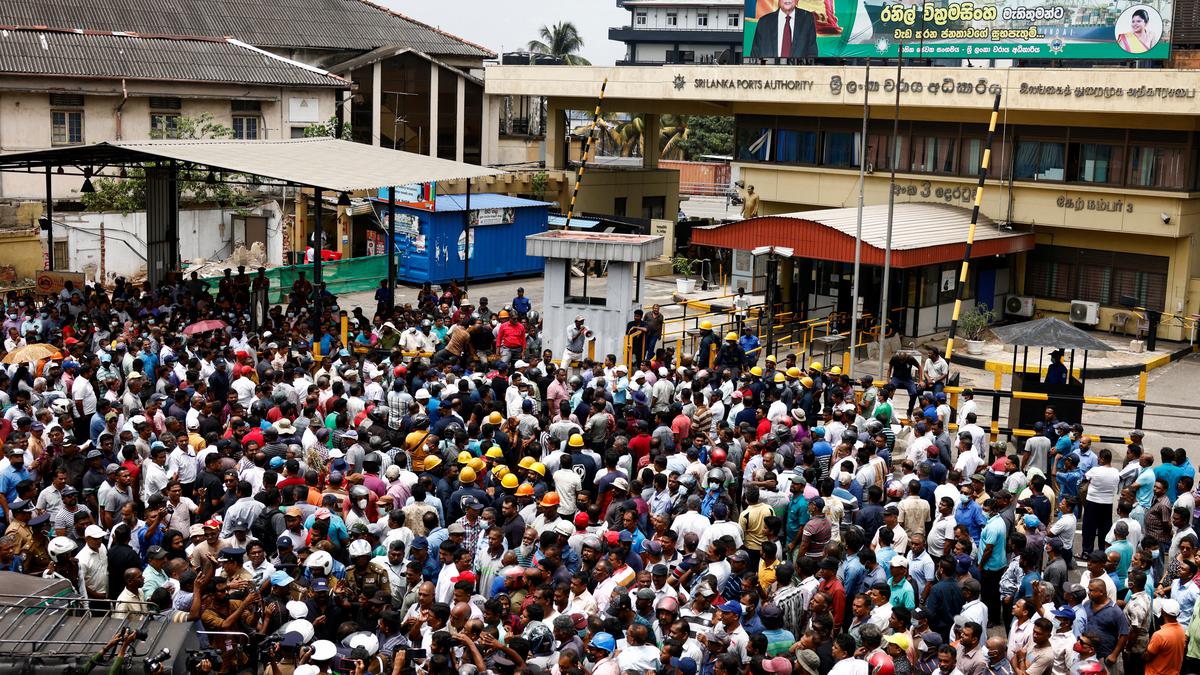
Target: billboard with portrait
952,29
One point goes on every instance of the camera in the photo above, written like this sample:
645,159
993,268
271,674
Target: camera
153,664
196,659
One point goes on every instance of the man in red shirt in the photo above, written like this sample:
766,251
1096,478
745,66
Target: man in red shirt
510,338
827,573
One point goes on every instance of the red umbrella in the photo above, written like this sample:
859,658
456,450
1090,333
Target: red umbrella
204,326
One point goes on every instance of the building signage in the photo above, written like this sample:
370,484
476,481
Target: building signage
1094,204
504,216
984,29
414,195
935,86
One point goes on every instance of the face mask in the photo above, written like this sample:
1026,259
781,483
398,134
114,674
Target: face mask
1156,554
362,503
962,499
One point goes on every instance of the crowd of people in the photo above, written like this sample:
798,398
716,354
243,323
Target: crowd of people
440,494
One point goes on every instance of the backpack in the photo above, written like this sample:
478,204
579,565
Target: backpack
264,531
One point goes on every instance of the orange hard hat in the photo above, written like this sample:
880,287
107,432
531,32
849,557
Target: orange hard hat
524,490
550,499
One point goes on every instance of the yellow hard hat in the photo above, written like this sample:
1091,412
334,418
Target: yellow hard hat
464,457
778,377
477,464
576,441
705,325
793,372
432,462
816,365
525,462
835,370
495,452
806,381
495,418
509,482
731,336
467,475
756,371
539,468
772,358
500,471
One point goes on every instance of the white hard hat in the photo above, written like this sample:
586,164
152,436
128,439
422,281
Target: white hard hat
359,547
60,545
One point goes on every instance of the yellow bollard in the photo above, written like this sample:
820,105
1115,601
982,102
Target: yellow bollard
345,331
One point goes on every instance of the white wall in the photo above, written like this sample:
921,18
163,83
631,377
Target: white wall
688,18
203,233
607,321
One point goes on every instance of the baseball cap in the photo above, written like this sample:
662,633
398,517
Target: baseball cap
899,639
732,606
687,665
931,640
778,664
156,553
95,532
1064,612
281,578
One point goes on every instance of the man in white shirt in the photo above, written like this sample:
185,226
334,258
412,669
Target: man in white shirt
155,475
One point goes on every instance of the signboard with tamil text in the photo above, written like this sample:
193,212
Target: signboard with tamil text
946,29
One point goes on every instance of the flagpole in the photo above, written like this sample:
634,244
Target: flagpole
862,177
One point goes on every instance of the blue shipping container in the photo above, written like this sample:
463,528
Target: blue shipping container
429,245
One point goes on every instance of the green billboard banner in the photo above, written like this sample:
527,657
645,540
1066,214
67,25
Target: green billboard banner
950,29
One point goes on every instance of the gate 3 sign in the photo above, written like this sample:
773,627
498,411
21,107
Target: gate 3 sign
999,29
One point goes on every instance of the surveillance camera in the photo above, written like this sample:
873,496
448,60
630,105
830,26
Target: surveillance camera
1166,217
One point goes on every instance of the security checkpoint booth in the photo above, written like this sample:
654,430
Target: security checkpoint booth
599,276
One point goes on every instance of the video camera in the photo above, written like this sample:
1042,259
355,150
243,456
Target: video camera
196,659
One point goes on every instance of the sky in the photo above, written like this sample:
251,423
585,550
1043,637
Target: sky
507,25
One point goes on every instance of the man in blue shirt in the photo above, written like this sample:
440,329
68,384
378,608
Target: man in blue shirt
521,303
1168,471
993,558
11,476
969,514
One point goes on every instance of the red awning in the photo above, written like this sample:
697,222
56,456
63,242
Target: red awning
923,234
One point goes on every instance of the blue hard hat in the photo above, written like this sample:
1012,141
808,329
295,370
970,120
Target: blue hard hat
604,641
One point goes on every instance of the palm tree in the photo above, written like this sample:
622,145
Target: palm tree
561,40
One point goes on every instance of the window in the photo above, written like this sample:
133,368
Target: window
166,103
841,148
297,132
933,154
66,127
1039,160
245,127
164,125
620,204
754,143
1062,273
639,17
796,147
654,207
61,255
878,156
702,18
1097,162
733,20
1156,167
672,18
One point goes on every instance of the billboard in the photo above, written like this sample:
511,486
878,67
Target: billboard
956,29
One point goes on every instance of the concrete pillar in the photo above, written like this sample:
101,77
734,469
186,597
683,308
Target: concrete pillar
555,147
489,132
651,140
433,109
301,224
344,225
376,101
460,119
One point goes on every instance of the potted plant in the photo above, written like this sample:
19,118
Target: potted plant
973,324
686,267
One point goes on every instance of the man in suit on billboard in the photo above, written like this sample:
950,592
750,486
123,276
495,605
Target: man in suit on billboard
787,33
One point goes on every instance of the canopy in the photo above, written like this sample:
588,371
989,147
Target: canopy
1049,332
326,163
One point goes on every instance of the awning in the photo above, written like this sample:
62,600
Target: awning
1049,332
922,234
325,163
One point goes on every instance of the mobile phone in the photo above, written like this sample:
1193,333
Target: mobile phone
413,653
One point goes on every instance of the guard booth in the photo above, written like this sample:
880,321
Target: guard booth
1045,336
598,276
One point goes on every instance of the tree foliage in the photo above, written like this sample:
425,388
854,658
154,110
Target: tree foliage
128,194
562,40
708,135
327,129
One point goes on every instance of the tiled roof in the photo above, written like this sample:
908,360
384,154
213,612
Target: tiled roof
26,51
353,25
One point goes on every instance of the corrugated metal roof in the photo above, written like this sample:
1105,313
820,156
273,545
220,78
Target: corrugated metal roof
313,24
923,234
105,55
594,246
483,200
326,163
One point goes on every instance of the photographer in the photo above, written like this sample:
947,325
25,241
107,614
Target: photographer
123,638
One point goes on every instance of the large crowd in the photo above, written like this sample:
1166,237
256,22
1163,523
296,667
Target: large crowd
439,494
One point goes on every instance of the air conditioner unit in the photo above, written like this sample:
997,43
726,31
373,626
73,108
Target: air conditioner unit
1018,305
1085,312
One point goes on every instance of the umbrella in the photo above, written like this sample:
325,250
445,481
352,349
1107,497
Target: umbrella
31,353
204,326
